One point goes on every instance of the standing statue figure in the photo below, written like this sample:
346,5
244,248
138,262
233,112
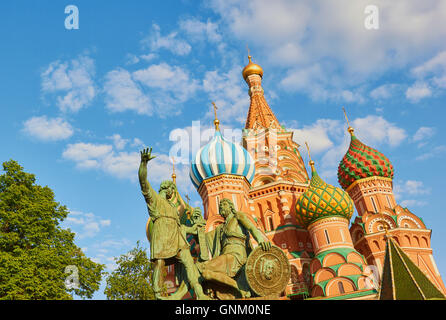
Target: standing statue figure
167,235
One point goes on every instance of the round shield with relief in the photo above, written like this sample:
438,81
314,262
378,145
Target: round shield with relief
267,272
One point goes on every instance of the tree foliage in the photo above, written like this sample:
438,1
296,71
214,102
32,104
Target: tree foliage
132,280
34,249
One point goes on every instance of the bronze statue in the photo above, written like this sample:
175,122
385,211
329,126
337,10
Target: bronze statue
229,244
168,242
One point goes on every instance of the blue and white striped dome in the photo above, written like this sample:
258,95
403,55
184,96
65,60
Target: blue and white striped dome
221,156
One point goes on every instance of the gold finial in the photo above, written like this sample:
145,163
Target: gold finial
216,122
309,156
249,53
350,129
251,68
174,176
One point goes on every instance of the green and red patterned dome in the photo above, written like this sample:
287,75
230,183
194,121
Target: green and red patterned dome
322,200
361,162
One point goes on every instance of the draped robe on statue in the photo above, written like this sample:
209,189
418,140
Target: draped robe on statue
164,227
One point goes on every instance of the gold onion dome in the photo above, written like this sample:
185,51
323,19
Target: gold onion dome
252,68
322,200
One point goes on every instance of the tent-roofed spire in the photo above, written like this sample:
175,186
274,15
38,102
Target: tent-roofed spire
402,279
260,113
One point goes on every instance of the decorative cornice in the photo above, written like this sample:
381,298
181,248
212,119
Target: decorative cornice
374,178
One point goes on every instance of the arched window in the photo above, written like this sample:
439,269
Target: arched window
374,204
270,223
388,201
326,236
341,287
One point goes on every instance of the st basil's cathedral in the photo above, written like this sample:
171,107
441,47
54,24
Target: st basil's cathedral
384,253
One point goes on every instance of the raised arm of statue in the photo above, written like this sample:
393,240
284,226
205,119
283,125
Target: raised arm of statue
149,194
258,236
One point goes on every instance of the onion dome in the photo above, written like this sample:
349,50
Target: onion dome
361,162
252,68
221,156
322,200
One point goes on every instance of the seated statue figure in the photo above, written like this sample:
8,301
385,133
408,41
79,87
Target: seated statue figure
229,245
223,253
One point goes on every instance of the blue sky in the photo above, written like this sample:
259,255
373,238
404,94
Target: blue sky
78,105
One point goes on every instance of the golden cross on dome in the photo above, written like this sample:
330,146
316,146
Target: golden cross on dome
350,129
309,156
174,176
249,53
346,118
216,122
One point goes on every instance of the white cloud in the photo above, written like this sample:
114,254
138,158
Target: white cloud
137,142
199,30
423,133
410,187
148,57
418,91
328,49
48,129
85,225
155,41
328,140
172,79
71,83
317,134
374,130
431,78
131,59
123,93
118,141
228,92
384,91
124,165
412,203
434,152
159,88
320,84
102,156
435,65
86,155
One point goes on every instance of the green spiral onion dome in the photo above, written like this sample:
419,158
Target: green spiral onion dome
361,162
322,200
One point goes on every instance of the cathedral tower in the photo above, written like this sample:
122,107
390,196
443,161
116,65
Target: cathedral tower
337,268
222,169
367,176
280,178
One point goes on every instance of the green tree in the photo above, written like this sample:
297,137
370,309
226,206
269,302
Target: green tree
34,250
132,280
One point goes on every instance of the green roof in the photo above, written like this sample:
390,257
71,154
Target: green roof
355,294
288,226
298,254
402,279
